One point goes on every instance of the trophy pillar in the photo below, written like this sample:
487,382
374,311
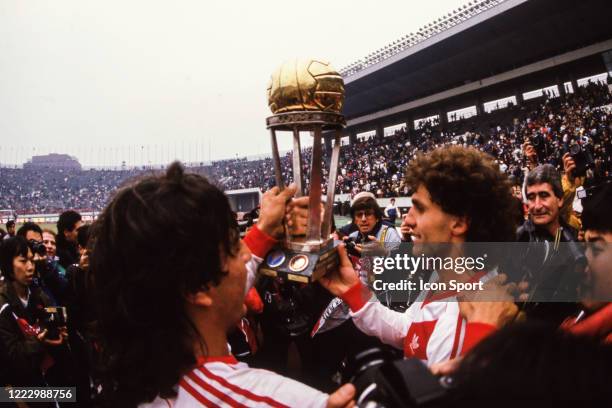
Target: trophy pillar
306,97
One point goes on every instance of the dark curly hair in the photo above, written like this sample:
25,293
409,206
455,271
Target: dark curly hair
468,183
157,241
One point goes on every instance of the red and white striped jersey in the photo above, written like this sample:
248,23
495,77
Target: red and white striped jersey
225,382
431,329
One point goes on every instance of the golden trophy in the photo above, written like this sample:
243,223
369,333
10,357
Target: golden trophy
306,96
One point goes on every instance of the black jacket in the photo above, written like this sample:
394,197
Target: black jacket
24,353
554,271
67,252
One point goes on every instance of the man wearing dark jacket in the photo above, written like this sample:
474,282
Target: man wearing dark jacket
35,354
553,266
67,225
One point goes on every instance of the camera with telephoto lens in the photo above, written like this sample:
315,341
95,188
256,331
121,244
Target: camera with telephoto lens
583,159
382,380
37,247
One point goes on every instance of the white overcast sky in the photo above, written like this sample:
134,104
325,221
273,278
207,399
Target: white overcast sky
185,79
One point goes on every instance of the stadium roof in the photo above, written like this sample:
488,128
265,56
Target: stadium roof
510,35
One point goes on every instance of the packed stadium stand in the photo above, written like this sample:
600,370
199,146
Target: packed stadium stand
468,78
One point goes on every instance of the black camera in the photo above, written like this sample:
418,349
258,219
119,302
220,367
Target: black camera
350,246
583,159
381,380
37,247
539,144
351,242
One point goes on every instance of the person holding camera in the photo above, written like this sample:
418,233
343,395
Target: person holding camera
449,206
47,276
34,345
367,215
165,306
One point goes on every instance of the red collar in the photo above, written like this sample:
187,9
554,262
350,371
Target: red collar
230,359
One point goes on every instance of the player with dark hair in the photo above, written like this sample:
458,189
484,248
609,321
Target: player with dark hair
165,306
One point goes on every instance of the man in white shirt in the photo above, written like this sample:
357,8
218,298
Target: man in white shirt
459,196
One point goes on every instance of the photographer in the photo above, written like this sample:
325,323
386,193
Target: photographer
46,275
165,306
368,217
35,347
449,206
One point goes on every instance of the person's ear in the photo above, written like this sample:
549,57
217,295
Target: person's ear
459,226
200,298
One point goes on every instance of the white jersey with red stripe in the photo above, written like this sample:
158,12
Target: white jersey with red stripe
431,329
225,382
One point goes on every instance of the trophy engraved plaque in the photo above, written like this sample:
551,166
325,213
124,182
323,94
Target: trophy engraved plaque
306,96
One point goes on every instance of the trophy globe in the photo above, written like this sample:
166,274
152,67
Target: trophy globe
306,96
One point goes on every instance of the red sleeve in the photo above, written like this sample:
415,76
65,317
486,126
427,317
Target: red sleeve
474,333
259,242
357,296
253,301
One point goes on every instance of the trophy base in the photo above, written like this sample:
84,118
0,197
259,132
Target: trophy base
300,266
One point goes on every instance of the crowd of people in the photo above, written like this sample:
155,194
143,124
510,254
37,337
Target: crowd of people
138,309
553,125
131,320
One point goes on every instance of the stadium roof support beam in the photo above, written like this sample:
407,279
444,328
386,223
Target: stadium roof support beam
476,86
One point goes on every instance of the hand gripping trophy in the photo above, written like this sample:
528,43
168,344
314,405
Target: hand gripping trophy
306,96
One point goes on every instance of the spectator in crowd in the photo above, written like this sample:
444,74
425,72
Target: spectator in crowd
448,207
30,231
555,124
67,225
391,211
10,229
47,275
368,217
80,279
552,275
176,299
37,352
545,199
49,241
596,318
